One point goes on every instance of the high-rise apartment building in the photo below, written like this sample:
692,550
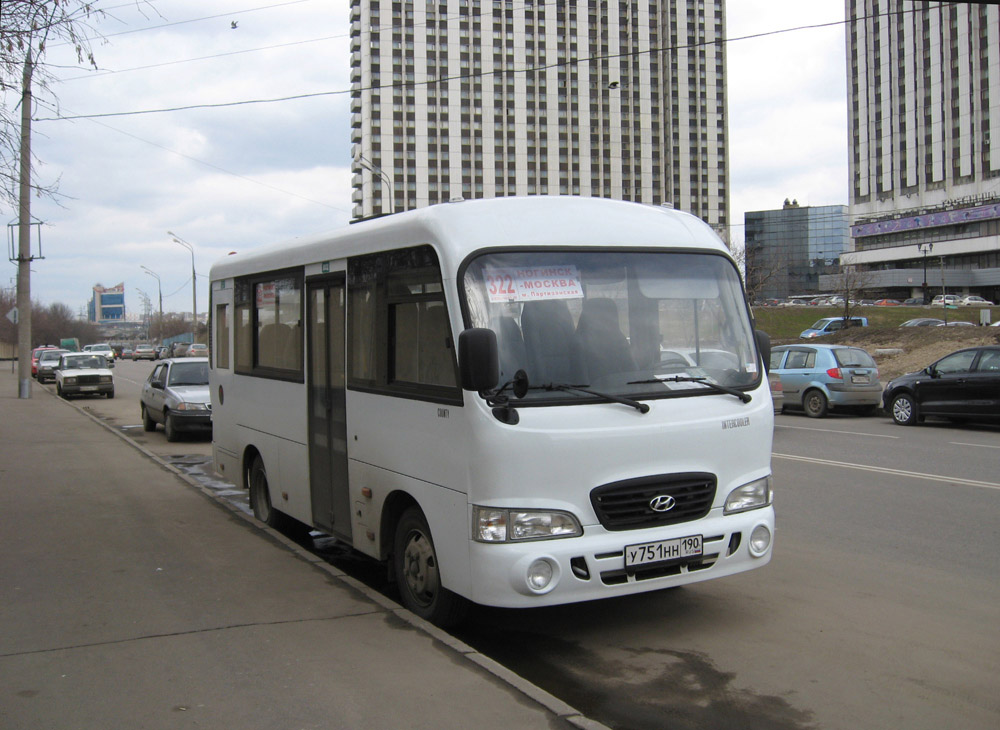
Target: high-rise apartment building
788,250
486,98
924,102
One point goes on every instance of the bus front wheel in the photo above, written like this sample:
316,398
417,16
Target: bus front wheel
417,575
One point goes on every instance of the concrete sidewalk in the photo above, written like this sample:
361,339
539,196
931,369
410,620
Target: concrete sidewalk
131,598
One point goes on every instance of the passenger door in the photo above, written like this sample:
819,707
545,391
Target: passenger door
984,386
796,373
947,390
325,378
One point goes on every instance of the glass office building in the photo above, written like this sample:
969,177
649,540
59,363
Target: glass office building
107,305
789,249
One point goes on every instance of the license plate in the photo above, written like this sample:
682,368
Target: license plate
88,387
662,551
861,379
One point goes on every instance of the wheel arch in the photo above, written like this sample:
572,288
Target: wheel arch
392,509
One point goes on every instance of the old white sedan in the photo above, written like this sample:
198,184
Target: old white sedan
84,373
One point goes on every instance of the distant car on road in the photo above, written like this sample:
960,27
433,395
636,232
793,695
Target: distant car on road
818,377
143,352
84,373
962,386
103,349
176,394
197,350
48,361
922,322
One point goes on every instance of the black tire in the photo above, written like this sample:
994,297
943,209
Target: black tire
169,427
415,567
260,502
59,391
148,424
904,410
111,394
814,404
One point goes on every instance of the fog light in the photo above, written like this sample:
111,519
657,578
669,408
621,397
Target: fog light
760,541
540,575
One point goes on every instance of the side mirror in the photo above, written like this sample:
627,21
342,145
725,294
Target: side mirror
764,345
478,359
156,384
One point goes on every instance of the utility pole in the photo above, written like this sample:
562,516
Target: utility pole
24,239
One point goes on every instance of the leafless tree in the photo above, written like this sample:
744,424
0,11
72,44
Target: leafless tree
27,29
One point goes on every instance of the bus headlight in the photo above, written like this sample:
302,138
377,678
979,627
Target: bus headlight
490,524
754,495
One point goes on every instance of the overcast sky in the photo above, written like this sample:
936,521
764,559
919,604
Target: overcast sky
235,177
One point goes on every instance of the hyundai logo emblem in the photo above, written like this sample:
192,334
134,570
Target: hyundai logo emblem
662,503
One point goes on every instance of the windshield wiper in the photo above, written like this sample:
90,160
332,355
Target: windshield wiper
641,407
743,396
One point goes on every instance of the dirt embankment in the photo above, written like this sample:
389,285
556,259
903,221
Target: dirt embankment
917,347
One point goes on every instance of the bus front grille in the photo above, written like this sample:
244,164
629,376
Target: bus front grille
667,499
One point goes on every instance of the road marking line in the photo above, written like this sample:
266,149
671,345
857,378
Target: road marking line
895,472
982,446
850,433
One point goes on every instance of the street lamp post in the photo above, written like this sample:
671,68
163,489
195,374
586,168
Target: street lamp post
382,174
194,284
925,248
145,309
159,291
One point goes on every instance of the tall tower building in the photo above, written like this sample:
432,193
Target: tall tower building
924,109
486,98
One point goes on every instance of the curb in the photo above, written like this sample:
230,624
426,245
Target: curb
553,704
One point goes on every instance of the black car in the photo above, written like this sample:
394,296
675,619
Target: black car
962,386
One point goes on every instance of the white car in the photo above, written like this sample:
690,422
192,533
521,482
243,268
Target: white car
105,350
974,301
84,373
951,300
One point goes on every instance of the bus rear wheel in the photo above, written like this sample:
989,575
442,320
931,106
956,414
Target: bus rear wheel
417,575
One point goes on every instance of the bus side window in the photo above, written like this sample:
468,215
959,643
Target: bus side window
221,351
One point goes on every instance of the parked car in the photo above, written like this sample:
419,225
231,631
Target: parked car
34,357
162,352
974,301
143,352
946,299
887,303
913,302
105,350
964,385
176,394
84,373
178,349
957,324
817,378
922,322
197,350
829,325
48,361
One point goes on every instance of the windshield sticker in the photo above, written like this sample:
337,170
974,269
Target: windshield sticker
527,284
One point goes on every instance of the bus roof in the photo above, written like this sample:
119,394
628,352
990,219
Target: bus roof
460,228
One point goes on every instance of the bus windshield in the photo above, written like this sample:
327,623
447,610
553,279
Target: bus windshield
632,324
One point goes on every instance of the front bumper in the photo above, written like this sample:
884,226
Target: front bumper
88,389
192,420
593,566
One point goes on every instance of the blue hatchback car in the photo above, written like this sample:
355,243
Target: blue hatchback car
817,378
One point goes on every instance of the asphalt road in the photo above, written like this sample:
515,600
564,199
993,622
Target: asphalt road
879,609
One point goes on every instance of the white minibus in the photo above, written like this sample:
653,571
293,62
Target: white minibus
513,402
